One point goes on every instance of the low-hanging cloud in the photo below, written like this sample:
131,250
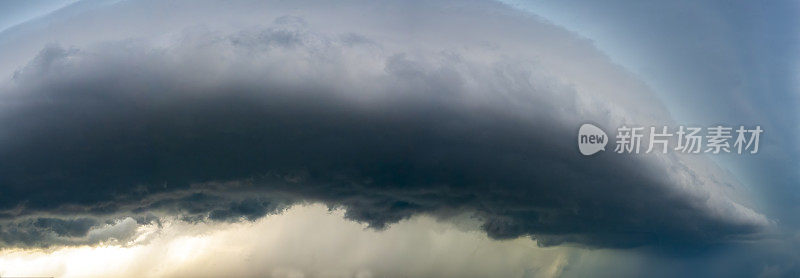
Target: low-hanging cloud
383,121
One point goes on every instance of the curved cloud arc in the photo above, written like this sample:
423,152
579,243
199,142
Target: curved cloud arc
433,108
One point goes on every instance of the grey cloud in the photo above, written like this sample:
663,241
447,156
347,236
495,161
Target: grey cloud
212,205
122,223
48,231
76,227
121,230
238,125
35,231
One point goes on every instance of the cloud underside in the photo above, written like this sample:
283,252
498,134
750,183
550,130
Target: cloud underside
232,126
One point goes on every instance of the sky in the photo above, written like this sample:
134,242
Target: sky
18,12
144,138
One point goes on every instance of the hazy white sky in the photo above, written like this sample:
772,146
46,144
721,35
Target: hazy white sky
306,241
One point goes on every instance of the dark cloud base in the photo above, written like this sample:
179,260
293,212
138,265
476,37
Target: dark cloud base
97,149
122,141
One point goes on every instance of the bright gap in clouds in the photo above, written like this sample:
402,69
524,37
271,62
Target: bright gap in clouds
306,241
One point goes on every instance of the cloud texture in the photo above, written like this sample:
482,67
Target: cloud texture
433,108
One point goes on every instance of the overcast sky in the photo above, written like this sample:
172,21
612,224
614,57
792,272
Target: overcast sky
398,138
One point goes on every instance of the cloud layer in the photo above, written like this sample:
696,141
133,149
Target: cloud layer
387,115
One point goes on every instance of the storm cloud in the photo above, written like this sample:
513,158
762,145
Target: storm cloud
217,124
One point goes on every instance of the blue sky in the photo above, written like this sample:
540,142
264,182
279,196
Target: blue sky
16,12
730,62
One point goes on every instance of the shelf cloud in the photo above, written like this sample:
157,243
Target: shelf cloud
403,110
